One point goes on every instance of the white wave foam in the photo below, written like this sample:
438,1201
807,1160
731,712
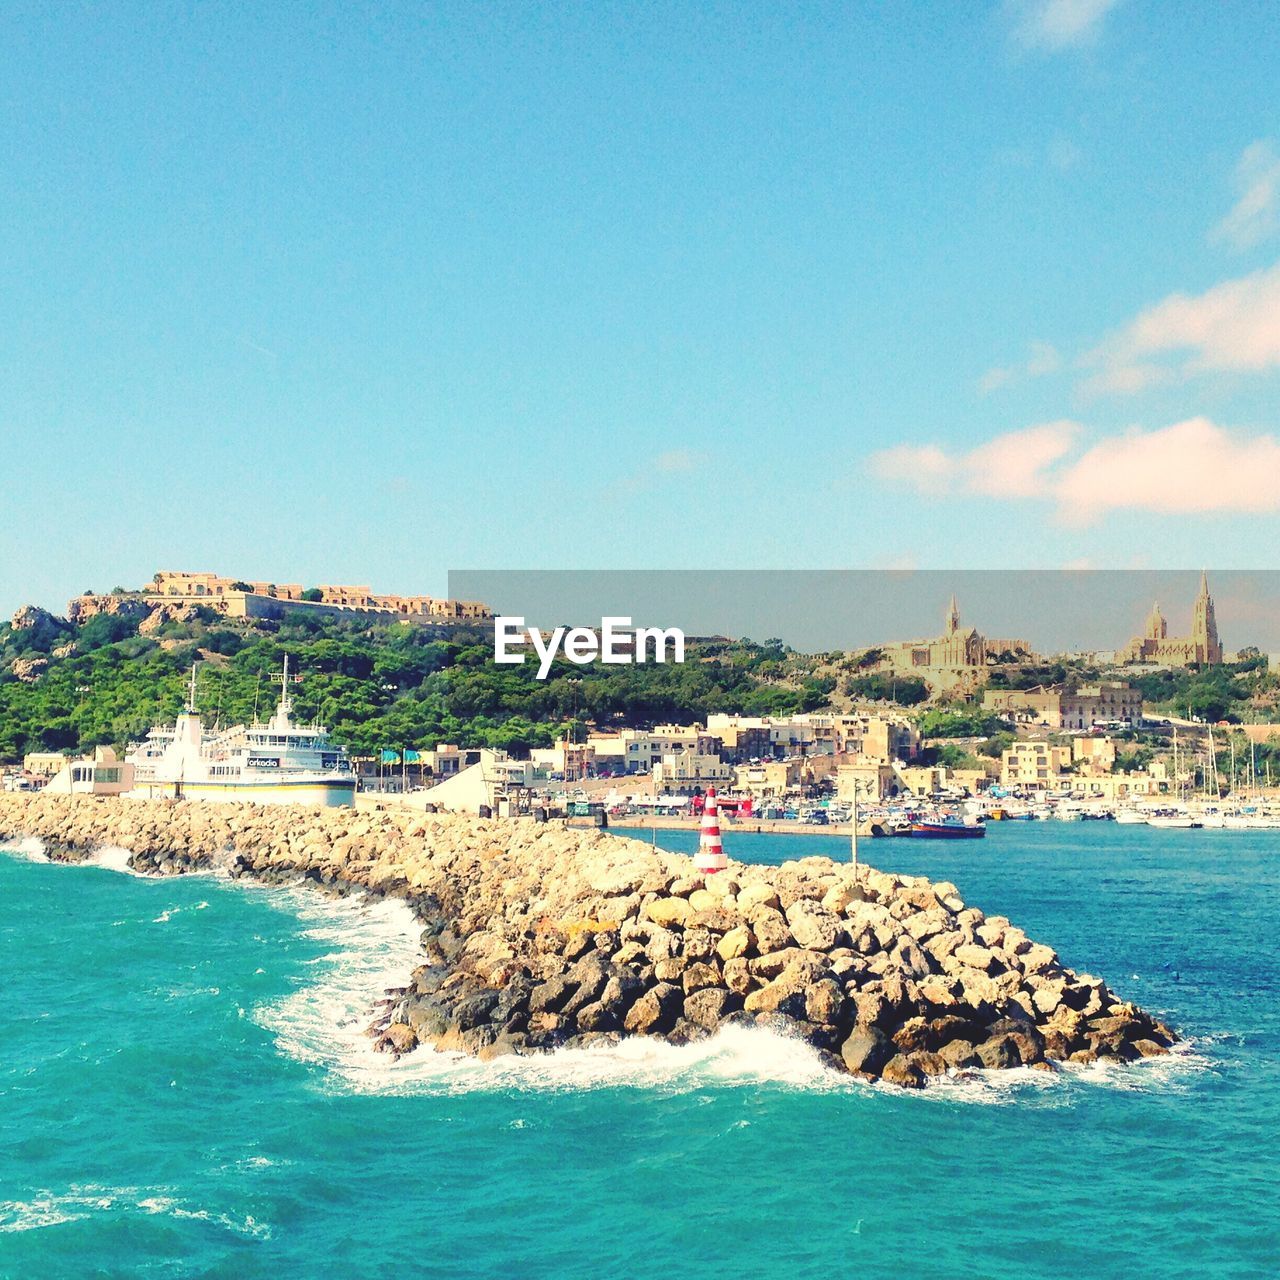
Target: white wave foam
111,857
77,1203
734,1056
1170,1072
32,848
370,945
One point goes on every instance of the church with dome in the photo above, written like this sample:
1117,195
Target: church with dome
1157,647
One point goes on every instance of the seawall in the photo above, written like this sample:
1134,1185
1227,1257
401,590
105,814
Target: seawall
536,936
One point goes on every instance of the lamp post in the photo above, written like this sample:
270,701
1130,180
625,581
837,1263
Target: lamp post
853,826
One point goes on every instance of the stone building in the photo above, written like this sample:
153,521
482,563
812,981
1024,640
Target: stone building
241,598
959,656
1061,707
1157,647
1034,765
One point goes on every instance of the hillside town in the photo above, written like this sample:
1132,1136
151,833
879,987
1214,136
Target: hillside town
981,731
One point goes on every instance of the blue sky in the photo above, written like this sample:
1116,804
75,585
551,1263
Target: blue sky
366,293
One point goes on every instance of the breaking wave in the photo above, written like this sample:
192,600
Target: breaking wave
78,1203
30,848
370,945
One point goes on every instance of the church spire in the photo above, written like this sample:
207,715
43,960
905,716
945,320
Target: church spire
1204,625
953,616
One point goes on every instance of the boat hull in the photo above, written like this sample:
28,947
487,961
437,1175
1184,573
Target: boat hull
946,831
314,793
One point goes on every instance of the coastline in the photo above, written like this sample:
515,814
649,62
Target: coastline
537,937
754,826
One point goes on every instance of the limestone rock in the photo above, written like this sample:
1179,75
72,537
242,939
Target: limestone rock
669,912
699,975
399,1038
866,1051
824,1001
813,925
709,1006
737,942
655,1011
757,894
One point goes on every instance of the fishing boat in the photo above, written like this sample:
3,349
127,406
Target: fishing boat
1172,819
948,829
275,762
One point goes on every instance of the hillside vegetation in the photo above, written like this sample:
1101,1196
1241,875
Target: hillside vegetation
376,687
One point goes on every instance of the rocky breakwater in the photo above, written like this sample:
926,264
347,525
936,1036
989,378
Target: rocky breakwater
537,937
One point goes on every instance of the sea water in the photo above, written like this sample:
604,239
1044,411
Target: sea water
185,1090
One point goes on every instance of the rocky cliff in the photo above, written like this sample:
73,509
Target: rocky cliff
536,936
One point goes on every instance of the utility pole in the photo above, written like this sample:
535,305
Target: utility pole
853,829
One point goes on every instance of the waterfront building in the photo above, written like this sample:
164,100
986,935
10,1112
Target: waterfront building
742,738
684,769
1093,757
868,781
1157,647
571,760
101,774
768,779
639,750
43,764
1034,765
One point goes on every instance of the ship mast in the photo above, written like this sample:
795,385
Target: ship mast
286,706
190,708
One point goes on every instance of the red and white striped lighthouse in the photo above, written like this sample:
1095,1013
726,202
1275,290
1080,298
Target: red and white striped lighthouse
710,856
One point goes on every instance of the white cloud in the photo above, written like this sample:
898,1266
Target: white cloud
1056,24
1044,359
1234,326
1256,214
1193,467
1190,468
1013,465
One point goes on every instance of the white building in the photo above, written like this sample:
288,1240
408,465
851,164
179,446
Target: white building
102,774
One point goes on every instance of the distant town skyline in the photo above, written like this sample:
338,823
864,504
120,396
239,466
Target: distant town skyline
345,299
1055,611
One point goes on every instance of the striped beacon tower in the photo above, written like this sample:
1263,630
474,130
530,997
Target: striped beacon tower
710,857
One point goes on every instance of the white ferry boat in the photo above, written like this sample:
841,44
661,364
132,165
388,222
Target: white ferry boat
278,762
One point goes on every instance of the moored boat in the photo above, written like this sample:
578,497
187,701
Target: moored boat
277,762
948,829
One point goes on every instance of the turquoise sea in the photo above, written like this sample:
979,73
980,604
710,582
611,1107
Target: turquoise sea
184,1092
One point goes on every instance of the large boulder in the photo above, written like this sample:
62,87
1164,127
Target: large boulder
812,925
709,1006
656,1011
866,1051
770,930
669,912
737,942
